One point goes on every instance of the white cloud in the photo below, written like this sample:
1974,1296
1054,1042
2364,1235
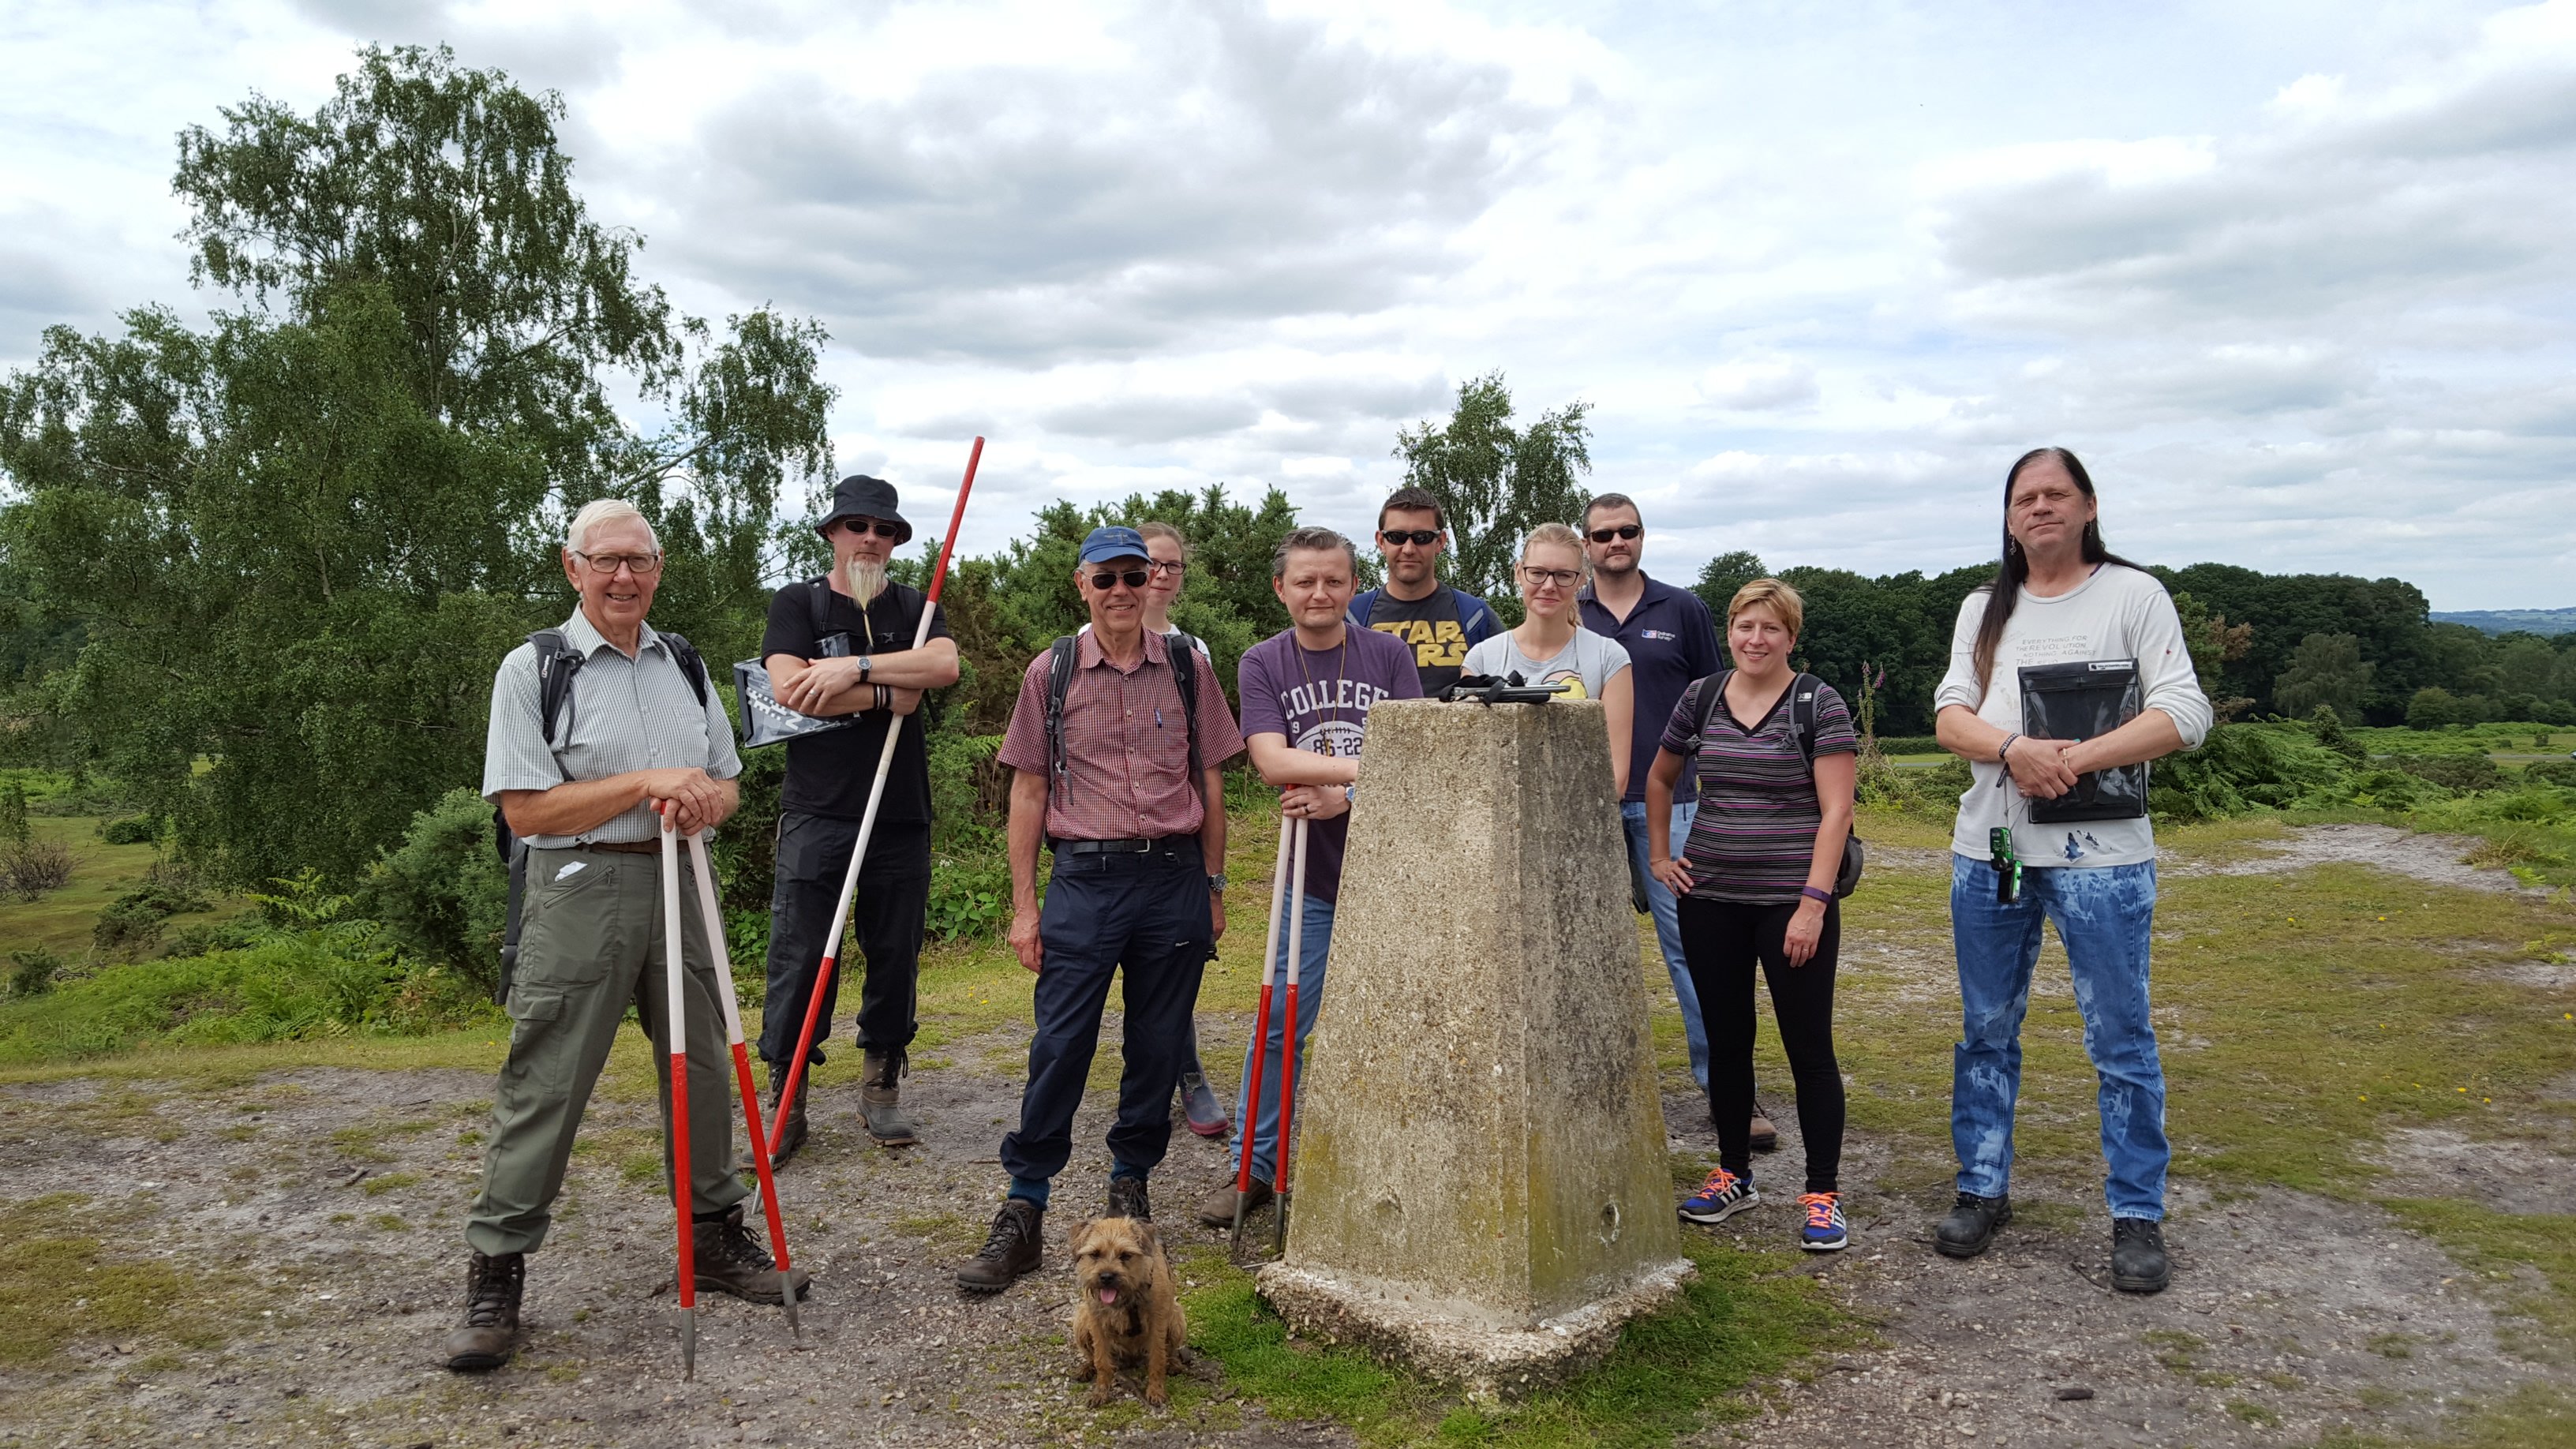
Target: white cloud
2293,278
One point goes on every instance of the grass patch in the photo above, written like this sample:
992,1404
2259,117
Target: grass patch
947,1233
390,1182
60,1288
2507,1248
1747,1318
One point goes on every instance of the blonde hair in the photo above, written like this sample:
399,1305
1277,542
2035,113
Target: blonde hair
1779,598
1562,536
604,510
1153,528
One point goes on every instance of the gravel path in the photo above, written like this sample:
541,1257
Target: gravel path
325,1207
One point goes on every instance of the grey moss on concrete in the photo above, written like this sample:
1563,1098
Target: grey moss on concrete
1480,1182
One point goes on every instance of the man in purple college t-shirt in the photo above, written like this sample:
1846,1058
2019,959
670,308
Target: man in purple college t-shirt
1306,694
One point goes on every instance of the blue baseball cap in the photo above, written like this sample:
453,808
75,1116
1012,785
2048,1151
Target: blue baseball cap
1113,541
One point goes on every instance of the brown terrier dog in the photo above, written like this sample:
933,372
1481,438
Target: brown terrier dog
1125,1311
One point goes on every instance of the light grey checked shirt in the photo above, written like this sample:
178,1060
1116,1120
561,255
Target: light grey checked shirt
621,714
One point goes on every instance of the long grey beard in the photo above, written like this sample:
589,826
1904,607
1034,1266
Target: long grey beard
867,580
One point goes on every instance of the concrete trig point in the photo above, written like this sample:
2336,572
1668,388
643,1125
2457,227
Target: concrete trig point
1480,1168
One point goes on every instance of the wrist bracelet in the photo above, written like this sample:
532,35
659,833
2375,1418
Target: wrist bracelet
2005,749
885,697
1817,894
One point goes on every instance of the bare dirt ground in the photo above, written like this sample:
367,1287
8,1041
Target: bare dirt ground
321,1211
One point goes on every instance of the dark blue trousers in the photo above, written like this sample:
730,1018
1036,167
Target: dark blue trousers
1147,913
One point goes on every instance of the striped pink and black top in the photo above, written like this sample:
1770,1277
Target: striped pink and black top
1755,834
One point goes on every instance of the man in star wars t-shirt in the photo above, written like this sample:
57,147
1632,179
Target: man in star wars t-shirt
1437,622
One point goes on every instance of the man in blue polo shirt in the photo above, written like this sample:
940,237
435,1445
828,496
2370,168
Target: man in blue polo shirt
1671,641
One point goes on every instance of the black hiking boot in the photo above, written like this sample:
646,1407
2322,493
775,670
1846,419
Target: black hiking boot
490,1332
1012,1248
791,1133
2138,1262
730,1259
1127,1199
881,1099
1971,1224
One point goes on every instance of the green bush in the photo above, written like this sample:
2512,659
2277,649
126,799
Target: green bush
133,921
2550,772
1909,744
32,971
331,981
2382,790
970,895
2459,773
132,830
2241,767
443,895
29,868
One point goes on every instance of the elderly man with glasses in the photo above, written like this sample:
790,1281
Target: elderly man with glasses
1121,772
840,646
633,733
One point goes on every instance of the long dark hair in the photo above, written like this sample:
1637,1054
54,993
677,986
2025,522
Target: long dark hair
2005,591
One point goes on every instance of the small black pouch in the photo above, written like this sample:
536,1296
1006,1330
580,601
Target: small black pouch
2082,701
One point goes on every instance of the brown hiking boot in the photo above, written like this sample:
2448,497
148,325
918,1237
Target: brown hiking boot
881,1099
730,1259
490,1332
1765,1136
1014,1247
1217,1208
791,1133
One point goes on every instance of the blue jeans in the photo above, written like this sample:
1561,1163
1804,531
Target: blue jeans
1313,945
1668,930
2105,915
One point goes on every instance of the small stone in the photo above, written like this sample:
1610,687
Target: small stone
2069,1393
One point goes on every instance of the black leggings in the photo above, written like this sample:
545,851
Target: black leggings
1721,940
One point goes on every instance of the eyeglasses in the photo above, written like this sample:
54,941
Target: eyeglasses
877,526
1625,530
1419,537
1107,579
1160,567
606,565
1561,578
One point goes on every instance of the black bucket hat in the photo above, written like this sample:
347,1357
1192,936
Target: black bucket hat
860,496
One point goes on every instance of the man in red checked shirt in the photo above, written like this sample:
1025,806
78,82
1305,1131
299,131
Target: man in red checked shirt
1138,885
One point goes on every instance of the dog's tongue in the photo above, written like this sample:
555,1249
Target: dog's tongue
1108,1295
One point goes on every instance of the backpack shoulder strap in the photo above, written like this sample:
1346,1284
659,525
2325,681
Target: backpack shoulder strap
1185,677
557,661
1802,714
1059,681
693,665
1709,687
818,604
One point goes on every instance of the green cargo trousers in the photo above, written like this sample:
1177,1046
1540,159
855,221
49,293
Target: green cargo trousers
590,943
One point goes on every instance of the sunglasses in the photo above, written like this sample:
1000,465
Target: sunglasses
1419,537
877,526
1108,579
1625,530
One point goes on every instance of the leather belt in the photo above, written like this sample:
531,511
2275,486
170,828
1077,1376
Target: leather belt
623,847
1121,847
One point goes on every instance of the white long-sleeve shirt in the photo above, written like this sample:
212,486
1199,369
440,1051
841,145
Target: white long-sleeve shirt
2118,613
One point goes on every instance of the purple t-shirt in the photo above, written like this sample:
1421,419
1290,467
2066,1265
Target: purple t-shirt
1319,701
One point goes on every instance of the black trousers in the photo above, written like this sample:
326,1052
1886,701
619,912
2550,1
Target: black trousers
1145,918
887,914
1721,940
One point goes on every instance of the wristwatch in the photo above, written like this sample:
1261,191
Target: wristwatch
1216,884
865,665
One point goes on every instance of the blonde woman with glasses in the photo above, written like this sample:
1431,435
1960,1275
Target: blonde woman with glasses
1550,644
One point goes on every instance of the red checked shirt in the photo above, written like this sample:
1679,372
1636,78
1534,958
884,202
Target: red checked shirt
1126,751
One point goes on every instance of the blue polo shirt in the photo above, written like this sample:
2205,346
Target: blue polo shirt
1671,640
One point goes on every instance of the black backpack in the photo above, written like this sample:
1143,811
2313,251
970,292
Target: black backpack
1180,649
1802,727
557,663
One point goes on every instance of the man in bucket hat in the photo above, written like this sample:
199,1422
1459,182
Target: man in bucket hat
841,645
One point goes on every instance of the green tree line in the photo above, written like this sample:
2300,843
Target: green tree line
259,572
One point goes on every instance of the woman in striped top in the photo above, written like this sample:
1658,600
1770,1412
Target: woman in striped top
1755,882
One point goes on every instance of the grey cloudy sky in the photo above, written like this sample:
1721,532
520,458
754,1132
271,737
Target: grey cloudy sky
2294,278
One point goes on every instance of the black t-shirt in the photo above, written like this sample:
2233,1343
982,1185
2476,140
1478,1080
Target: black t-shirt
1439,627
829,773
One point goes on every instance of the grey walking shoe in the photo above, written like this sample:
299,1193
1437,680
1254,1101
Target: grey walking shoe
881,1099
490,1333
1199,1104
